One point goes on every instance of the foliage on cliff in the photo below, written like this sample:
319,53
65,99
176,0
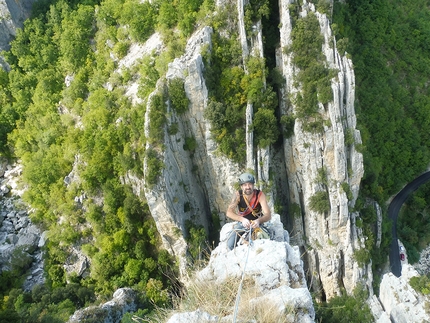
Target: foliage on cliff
389,45
389,42
53,128
96,134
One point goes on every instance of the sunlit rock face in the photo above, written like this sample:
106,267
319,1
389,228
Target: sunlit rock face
195,184
273,266
123,301
329,239
399,300
192,183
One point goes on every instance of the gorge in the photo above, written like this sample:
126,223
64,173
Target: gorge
282,108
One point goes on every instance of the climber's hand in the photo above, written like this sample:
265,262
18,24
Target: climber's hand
255,224
246,224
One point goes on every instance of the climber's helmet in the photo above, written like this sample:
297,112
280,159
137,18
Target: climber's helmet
246,178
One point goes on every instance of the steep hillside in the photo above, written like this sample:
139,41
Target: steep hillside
132,121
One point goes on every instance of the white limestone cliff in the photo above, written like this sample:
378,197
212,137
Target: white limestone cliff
400,302
332,238
204,182
123,301
180,184
273,266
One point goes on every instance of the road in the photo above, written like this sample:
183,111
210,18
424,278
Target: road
393,212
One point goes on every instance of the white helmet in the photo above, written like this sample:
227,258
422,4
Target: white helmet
246,178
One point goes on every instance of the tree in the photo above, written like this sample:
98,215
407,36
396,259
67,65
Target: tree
178,96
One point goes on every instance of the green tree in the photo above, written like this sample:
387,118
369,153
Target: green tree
346,308
178,96
265,127
77,29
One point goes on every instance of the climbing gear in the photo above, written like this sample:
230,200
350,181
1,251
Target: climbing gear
246,178
261,233
236,306
255,200
241,236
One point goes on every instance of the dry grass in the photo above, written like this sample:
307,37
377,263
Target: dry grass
219,300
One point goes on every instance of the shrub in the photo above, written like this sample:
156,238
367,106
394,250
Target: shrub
347,190
362,256
319,202
346,308
157,115
421,284
265,127
287,123
322,176
178,96
154,167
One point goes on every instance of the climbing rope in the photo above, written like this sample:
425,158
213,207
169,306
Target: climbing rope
236,306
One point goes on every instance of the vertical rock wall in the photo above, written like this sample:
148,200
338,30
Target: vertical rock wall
193,184
330,239
203,180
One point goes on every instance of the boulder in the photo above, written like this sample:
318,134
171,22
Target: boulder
123,301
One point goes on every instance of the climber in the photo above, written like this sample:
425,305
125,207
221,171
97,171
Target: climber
249,208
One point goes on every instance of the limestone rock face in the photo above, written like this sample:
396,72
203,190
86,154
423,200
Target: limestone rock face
333,235
19,237
400,301
189,187
273,265
193,185
123,301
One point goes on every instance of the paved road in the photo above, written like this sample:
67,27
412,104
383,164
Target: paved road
393,212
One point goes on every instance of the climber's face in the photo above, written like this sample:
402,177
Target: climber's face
247,188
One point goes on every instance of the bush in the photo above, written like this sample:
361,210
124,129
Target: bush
265,127
154,167
319,202
347,190
190,144
157,115
178,96
421,284
362,256
346,309
287,123
196,238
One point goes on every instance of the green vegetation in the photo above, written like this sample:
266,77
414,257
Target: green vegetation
346,309
389,45
99,135
413,224
196,239
231,89
54,128
314,77
362,257
177,95
227,102
319,202
388,42
421,284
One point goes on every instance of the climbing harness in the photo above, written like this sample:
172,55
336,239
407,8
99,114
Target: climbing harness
236,306
251,205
